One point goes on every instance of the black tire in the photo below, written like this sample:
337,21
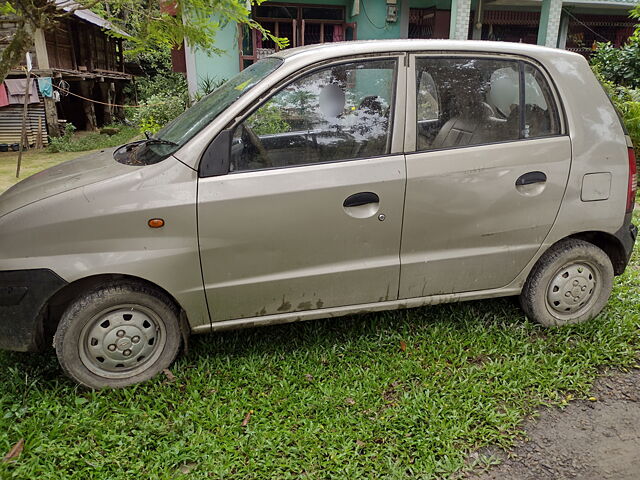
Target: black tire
125,322
570,283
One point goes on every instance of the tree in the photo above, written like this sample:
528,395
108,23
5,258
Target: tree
194,22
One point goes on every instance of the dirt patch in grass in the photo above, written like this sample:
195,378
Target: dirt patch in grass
592,438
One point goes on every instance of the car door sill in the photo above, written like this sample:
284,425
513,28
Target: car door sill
353,310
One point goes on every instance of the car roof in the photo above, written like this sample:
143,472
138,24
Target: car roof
360,47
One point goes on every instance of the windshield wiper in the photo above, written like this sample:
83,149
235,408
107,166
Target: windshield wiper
159,141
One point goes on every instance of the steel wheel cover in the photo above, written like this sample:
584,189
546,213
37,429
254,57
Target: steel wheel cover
122,341
573,290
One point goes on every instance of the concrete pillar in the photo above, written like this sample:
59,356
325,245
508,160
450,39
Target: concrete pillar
404,18
476,33
564,31
192,74
459,24
549,23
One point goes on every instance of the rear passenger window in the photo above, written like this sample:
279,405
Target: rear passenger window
540,114
474,101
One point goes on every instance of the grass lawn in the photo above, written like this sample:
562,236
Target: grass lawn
33,161
80,143
388,395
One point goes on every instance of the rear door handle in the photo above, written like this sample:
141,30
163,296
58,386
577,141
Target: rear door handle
361,198
530,178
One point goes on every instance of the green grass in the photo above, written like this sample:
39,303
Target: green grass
391,395
33,161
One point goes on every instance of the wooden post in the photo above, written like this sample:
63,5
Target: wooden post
86,90
106,89
119,100
23,135
39,136
51,117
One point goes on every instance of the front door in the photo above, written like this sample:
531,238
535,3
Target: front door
488,174
310,214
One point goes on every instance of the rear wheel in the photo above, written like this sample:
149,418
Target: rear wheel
571,283
117,335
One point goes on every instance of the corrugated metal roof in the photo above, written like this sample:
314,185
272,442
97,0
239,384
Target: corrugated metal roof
88,16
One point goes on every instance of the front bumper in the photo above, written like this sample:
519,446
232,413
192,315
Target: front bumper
23,297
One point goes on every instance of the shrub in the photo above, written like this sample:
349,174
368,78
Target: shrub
618,65
627,102
157,111
268,120
90,141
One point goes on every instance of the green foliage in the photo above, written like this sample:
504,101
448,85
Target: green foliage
208,84
61,143
268,120
89,141
627,102
194,22
157,111
6,8
167,84
618,65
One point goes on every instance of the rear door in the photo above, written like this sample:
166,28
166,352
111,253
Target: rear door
310,214
487,174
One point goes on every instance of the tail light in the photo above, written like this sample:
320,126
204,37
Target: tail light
633,181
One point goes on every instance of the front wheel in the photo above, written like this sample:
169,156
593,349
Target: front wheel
570,283
117,335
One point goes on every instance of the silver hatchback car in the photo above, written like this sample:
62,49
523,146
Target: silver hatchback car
325,181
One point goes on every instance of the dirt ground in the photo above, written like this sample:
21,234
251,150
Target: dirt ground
586,440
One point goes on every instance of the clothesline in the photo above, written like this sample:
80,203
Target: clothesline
22,88
68,92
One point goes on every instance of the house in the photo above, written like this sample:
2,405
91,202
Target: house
570,24
76,64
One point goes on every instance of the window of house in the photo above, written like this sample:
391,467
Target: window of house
473,101
338,113
300,25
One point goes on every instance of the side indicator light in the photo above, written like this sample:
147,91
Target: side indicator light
156,223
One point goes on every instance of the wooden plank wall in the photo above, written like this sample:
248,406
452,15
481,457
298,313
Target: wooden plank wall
7,29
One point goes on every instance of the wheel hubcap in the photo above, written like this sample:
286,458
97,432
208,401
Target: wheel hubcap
572,289
122,341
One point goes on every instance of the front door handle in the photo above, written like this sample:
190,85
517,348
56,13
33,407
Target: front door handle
361,198
530,178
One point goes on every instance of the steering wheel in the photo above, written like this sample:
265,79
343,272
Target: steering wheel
257,143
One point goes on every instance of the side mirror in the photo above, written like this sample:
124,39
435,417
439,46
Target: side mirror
215,159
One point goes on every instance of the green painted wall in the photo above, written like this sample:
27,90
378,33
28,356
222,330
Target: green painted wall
372,20
225,65
371,25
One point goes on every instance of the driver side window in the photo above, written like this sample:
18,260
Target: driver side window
338,113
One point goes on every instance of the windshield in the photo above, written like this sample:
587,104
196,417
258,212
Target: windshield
186,126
